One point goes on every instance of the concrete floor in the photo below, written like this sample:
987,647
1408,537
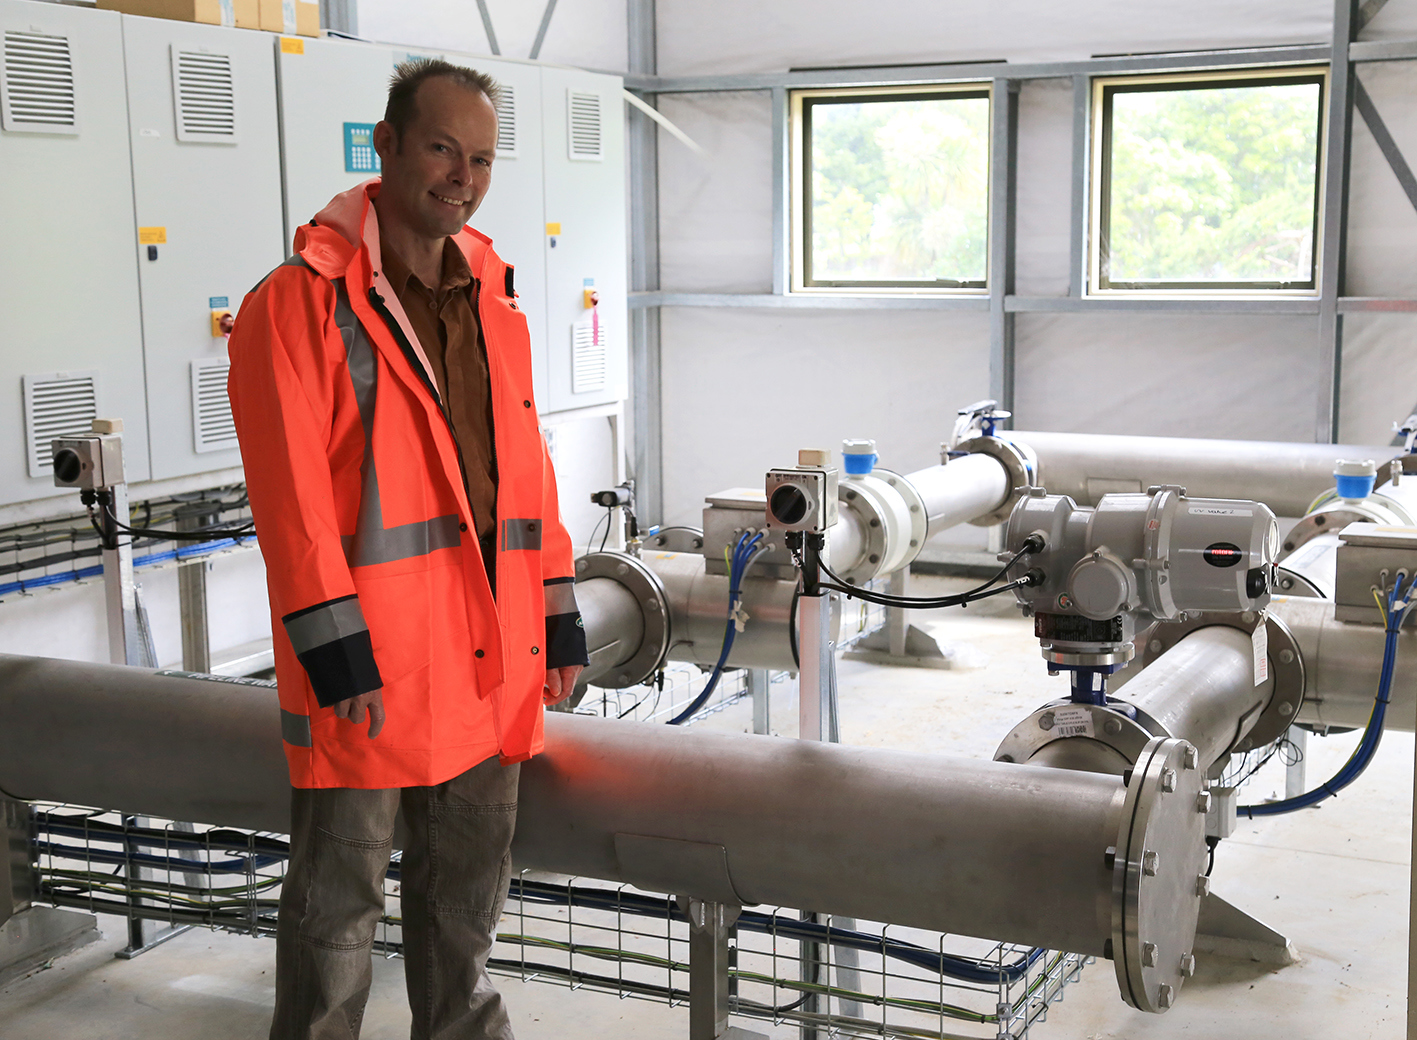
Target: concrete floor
1335,879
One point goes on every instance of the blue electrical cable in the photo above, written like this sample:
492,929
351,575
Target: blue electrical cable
743,552
1372,733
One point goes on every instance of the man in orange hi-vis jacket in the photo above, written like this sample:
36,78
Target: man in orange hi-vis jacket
419,573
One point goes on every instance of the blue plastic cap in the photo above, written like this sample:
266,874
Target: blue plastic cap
858,465
1355,487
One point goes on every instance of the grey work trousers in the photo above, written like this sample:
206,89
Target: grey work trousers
455,873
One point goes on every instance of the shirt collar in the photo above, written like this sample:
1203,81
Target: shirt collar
456,273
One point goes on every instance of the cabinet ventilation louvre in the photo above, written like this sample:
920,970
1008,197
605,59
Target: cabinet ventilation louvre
57,404
590,359
38,84
507,123
583,125
213,428
204,92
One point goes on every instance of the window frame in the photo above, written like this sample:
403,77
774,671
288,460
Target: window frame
1104,88
800,103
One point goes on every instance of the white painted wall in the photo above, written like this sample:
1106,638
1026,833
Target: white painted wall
898,376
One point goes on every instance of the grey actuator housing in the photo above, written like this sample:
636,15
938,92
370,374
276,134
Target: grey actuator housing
1160,554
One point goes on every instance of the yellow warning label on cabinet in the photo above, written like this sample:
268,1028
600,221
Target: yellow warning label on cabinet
553,229
290,45
152,236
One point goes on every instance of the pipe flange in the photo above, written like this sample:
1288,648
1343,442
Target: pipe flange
676,539
914,504
649,592
1063,720
889,539
1286,664
1019,462
1158,874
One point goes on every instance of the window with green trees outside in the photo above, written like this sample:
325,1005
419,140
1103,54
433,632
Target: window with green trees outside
1208,184
893,188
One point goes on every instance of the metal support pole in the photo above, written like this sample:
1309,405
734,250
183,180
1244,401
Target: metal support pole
642,141
1003,183
1077,253
126,644
1295,773
710,935
760,685
898,618
1335,220
192,600
816,680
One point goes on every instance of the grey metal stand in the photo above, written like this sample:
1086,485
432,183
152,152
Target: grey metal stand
710,935
30,935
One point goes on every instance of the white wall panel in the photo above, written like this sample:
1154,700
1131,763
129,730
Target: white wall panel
1044,212
745,389
587,33
1379,376
1382,223
1167,375
715,210
751,36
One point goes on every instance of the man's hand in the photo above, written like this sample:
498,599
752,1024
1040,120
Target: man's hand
354,708
560,683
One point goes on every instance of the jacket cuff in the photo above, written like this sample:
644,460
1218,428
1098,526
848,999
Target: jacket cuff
565,641
332,641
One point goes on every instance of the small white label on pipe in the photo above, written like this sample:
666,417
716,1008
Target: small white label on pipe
1260,641
1072,722
1220,511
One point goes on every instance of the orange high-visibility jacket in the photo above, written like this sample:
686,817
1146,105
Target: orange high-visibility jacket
375,573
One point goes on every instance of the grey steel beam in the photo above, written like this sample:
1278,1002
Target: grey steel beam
1337,147
1212,305
1382,50
809,301
645,393
1391,152
1368,12
1003,196
781,192
487,27
1082,160
1374,304
908,74
341,16
541,30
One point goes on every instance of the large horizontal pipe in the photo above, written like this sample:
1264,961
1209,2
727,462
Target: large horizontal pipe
1286,477
1342,662
971,847
961,491
614,625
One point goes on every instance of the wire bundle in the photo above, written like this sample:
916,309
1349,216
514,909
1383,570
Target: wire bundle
745,551
1393,613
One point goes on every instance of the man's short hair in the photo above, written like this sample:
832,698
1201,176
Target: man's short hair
402,108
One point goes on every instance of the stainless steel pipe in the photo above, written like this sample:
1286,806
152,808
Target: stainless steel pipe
1342,662
963,490
614,625
1286,477
964,846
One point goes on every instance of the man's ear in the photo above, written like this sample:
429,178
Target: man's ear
386,139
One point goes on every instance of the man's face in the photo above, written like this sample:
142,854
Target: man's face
436,174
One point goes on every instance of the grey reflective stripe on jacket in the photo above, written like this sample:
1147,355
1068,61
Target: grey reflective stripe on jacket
372,542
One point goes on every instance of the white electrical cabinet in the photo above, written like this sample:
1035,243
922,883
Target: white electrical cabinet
71,340
333,92
583,130
206,189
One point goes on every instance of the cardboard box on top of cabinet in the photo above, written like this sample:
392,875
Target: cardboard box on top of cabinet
292,17
242,14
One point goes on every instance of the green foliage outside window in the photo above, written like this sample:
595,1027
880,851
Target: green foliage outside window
899,191
1213,185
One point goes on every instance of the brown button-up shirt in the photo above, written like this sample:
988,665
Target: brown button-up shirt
445,321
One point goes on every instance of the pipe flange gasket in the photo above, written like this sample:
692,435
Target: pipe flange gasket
1158,867
1286,664
919,521
649,592
1123,734
1018,461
